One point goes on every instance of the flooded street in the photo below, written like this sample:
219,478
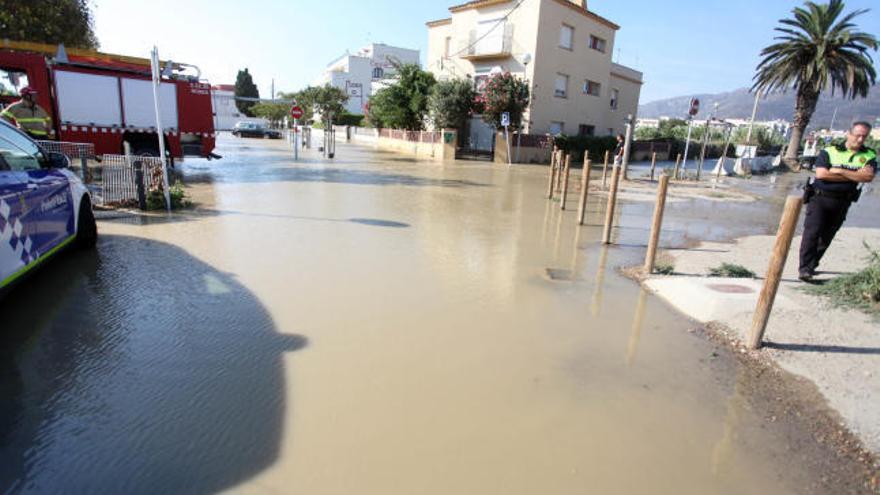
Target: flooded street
377,325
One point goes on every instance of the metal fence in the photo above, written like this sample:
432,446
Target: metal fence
79,154
117,182
114,181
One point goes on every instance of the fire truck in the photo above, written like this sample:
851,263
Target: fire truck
106,99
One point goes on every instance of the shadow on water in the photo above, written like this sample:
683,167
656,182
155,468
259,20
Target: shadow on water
201,213
137,368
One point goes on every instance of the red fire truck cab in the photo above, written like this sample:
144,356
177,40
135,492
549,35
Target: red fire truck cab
106,99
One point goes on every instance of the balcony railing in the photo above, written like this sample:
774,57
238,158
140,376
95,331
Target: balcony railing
495,43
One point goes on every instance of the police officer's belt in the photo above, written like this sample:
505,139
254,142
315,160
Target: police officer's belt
845,195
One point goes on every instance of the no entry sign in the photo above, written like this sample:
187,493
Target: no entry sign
296,112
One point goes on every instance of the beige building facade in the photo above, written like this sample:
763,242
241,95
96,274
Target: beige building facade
561,48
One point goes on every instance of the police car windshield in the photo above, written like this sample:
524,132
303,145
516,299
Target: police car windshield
19,152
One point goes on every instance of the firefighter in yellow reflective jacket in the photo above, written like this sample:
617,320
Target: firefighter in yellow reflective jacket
28,116
839,171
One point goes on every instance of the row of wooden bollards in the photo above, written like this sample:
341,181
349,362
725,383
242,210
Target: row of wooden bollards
559,176
560,170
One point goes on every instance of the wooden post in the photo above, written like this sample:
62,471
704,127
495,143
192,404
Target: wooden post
774,272
653,165
677,163
585,188
605,168
612,202
656,224
552,176
565,173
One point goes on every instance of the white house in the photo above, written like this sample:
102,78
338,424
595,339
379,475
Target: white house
362,74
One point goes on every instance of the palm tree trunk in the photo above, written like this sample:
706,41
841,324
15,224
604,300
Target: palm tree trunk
805,105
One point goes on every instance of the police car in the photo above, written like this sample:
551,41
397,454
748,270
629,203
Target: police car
44,207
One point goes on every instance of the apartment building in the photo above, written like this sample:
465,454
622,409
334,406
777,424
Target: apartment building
361,74
560,47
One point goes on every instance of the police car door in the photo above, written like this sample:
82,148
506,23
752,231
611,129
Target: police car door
13,187
37,208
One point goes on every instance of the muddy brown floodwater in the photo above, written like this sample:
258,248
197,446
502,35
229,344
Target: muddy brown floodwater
375,325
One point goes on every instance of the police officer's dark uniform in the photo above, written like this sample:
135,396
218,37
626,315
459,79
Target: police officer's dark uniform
829,203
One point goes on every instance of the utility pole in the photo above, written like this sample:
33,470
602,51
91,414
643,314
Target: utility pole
833,117
273,90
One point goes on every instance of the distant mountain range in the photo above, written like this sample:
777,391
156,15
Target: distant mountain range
739,103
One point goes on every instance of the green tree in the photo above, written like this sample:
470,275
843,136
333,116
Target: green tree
403,104
647,133
273,112
48,21
451,103
328,101
244,86
819,49
504,93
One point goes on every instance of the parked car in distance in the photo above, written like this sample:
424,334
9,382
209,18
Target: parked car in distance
255,129
44,207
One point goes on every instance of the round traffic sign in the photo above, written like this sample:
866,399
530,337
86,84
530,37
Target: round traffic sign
296,112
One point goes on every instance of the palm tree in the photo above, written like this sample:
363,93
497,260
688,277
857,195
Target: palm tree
816,51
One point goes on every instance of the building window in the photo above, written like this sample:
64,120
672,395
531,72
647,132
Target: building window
615,97
592,88
447,47
610,131
557,128
597,43
566,37
561,90
378,73
586,130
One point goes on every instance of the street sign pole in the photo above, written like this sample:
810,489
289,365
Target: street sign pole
296,112
687,144
157,79
694,108
507,139
505,121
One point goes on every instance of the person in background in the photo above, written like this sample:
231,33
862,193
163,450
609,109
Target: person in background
28,116
618,150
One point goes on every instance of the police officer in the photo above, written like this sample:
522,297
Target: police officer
28,116
839,171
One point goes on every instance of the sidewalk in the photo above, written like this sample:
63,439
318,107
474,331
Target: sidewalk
837,349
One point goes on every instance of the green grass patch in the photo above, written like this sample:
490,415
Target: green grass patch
156,198
664,268
731,270
859,290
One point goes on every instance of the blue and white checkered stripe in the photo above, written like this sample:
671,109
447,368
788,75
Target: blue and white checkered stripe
11,233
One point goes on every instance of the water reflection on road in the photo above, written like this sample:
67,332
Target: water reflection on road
463,337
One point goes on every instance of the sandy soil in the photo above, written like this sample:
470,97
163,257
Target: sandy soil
837,349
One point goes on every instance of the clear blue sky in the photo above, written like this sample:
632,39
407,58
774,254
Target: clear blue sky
683,46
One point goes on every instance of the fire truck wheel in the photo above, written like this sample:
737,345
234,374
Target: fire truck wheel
145,151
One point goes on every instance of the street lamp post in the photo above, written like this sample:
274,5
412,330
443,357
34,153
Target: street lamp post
627,144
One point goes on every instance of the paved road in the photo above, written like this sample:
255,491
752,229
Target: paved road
372,325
